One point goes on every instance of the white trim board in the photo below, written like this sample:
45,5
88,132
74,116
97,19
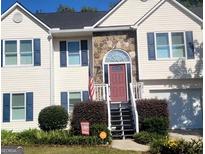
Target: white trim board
14,6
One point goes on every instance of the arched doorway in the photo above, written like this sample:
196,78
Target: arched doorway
117,74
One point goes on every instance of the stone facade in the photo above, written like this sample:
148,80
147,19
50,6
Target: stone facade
103,42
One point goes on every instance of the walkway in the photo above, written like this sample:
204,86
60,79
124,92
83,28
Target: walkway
129,144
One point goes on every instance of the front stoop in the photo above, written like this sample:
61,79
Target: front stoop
129,144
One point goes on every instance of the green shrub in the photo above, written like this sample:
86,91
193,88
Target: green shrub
167,146
96,129
93,112
148,108
53,118
157,125
146,137
9,138
57,137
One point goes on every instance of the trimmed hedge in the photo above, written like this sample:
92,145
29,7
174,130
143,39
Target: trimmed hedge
157,125
149,108
93,112
53,118
57,137
144,137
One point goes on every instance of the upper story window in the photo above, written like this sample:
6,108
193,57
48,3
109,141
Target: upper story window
74,53
18,52
170,45
10,52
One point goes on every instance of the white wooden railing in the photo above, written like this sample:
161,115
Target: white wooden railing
134,108
102,93
136,93
138,90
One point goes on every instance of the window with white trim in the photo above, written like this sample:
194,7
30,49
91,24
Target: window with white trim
170,45
18,109
18,52
74,97
73,48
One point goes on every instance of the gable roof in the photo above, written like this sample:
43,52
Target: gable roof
182,7
70,20
80,20
20,6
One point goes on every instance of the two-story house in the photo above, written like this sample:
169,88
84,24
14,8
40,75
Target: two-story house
138,49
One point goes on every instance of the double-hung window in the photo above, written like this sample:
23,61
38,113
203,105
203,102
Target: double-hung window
74,97
26,51
18,106
170,45
73,53
18,52
178,45
11,52
162,45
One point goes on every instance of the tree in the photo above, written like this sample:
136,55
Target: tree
88,9
65,8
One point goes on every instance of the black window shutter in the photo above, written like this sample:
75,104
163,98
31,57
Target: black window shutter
29,106
84,52
190,45
63,57
6,107
37,52
85,96
151,46
106,73
64,100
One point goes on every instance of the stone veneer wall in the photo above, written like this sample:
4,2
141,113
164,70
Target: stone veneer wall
106,41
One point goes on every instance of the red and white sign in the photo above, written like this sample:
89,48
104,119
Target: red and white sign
85,128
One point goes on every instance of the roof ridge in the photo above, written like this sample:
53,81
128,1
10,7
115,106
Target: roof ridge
69,12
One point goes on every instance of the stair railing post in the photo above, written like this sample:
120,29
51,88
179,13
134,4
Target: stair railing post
134,108
108,106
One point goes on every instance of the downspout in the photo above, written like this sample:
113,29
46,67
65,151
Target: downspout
52,97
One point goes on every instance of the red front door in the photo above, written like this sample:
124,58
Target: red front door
118,88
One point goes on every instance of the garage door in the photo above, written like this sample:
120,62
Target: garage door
185,109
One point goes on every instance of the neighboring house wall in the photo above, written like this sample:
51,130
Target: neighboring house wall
70,78
129,12
19,79
168,18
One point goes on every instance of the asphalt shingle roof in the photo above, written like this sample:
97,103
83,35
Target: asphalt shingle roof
70,20
197,10
78,20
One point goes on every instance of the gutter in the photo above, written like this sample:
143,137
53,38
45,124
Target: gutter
88,29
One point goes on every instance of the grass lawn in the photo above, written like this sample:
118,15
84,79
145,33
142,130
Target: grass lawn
74,150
